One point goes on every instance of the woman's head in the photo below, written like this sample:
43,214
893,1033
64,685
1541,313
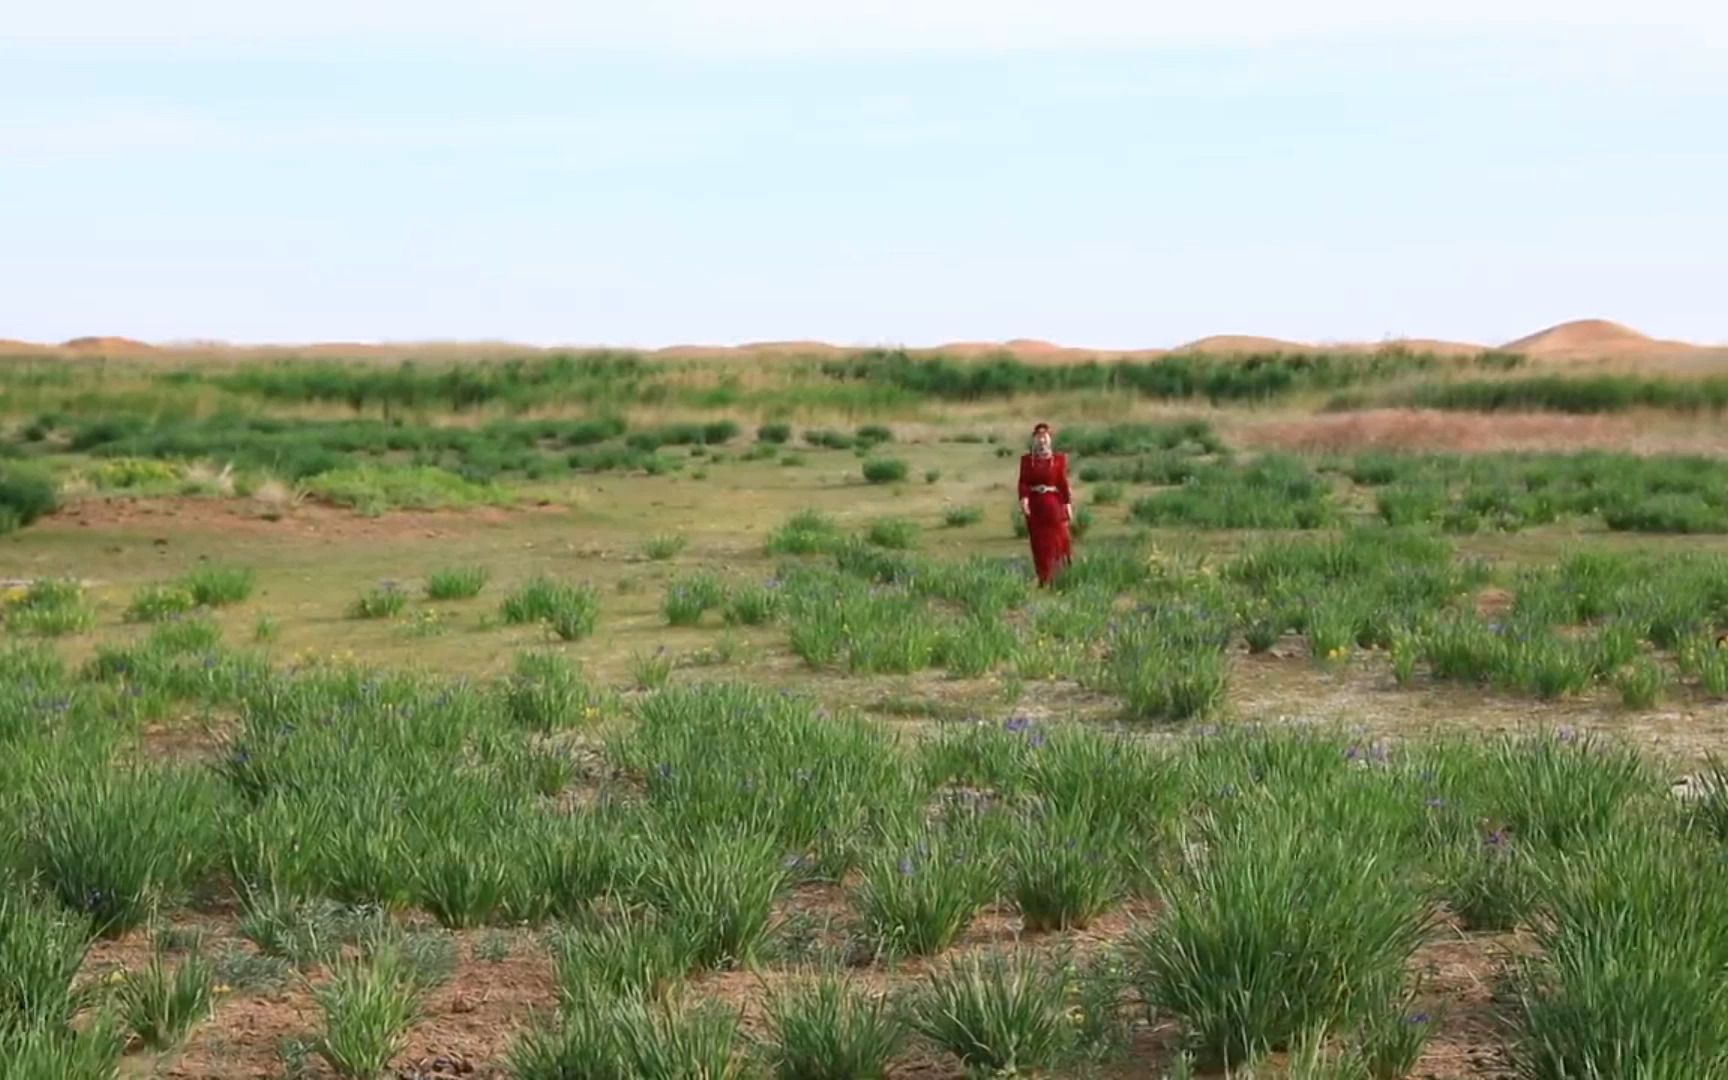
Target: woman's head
1041,437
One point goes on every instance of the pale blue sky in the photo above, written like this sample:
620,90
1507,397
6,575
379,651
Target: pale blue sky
909,173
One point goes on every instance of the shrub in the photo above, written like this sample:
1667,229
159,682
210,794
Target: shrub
774,434
27,493
884,470
958,517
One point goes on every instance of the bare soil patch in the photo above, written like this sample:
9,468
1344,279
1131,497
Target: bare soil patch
1464,432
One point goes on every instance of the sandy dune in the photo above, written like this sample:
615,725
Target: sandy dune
1585,339
1588,339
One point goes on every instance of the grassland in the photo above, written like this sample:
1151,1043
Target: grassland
599,716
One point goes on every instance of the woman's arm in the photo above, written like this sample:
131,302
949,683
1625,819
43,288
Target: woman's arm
1062,485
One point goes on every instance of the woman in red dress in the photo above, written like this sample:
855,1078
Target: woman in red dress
1045,501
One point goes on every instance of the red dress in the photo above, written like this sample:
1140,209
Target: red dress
1044,486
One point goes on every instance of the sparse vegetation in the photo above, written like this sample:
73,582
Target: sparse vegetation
870,738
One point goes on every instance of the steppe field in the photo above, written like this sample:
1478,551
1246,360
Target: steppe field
589,715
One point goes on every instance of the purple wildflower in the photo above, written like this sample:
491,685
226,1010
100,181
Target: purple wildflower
905,866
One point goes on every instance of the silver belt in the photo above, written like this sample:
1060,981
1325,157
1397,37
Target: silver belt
1042,489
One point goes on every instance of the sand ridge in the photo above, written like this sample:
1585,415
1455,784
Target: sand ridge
1583,339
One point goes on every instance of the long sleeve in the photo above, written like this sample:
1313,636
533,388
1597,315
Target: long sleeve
1062,478
1025,481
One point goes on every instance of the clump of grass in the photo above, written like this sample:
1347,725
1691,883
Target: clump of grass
383,601
160,1006
304,932
627,1039
916,898
774,434
48,608
41,950
39,1053
896,534
155,603
664,546
1169,665
633,957
219,586
1281,927
1640,684
266,629
546,692
717,893
688,598
1107,494
651,671
1000,1015
247,972
1627,977
754,605
569,611
492,947
457,583
959,517
976,645
807,532
825,1029
368,1004
1066,869
884,470
114,844
1389,1043
1488,882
